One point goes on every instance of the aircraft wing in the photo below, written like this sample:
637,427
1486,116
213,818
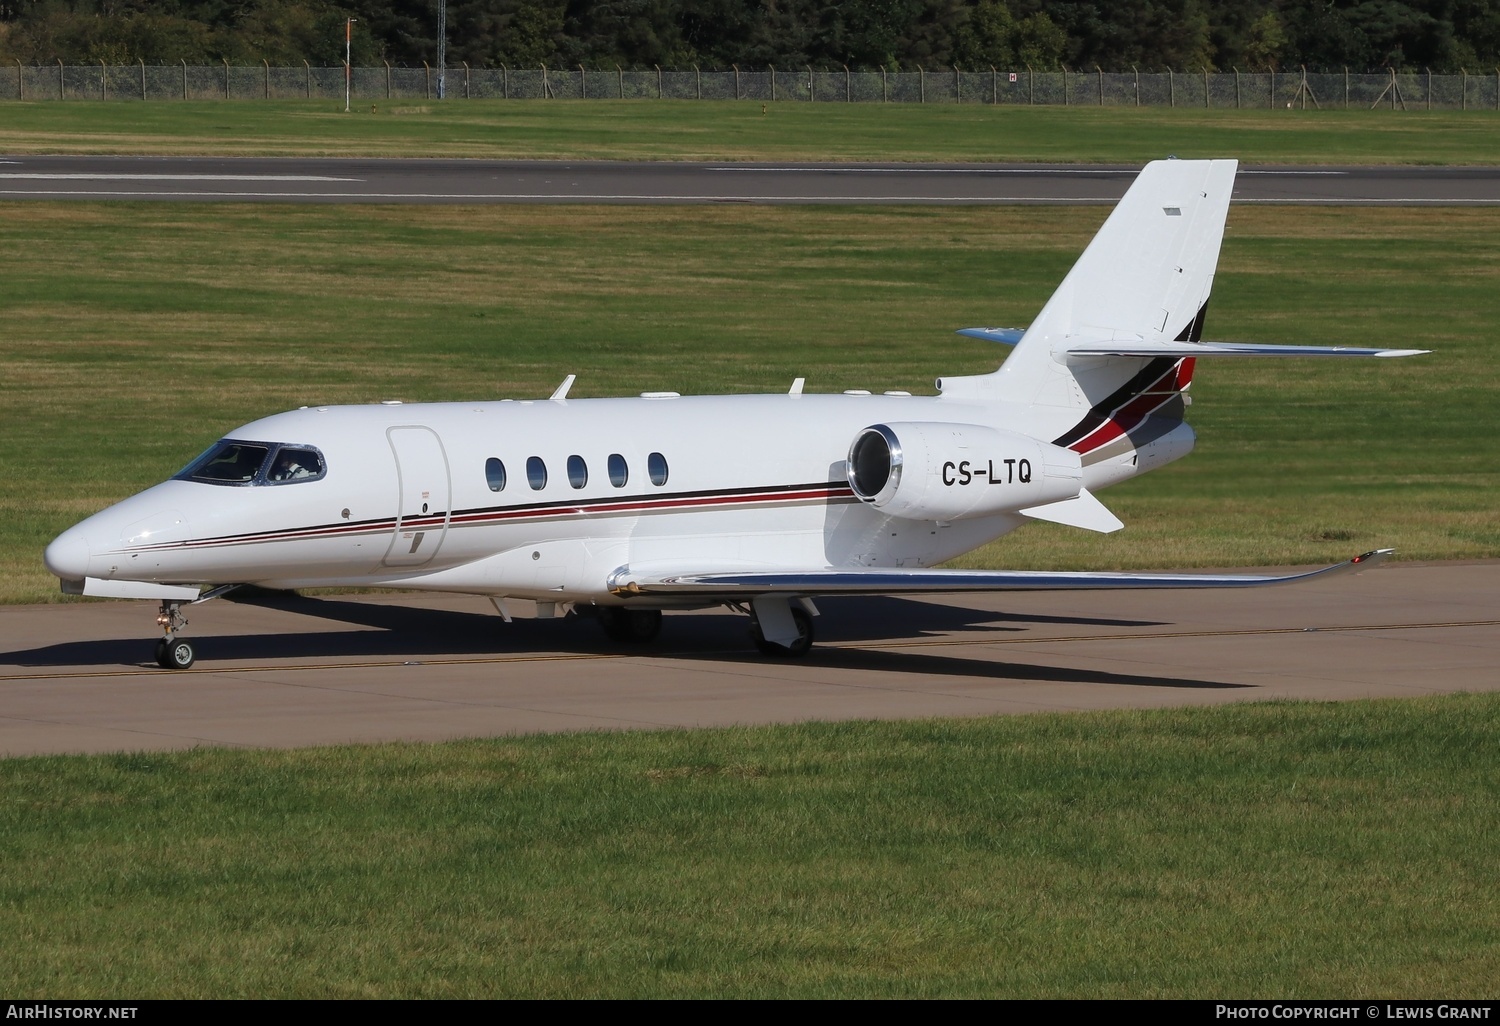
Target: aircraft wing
871,580
1199,349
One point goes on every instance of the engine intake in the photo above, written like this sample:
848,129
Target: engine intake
933,471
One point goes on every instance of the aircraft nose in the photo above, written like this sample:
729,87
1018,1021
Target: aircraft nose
68,555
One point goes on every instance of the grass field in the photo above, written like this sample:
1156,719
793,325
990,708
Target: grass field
724,130
136,334
1270,850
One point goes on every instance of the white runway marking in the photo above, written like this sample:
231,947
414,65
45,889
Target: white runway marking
112,177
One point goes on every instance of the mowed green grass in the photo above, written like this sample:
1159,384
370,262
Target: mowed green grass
729,130
134,335
1266,850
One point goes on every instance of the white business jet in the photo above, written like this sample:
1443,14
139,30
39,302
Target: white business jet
626,507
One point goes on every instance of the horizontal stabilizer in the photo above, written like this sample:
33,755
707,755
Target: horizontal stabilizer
1005,336
742,584
1177,350
1083,511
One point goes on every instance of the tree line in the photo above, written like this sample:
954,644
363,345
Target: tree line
1363,35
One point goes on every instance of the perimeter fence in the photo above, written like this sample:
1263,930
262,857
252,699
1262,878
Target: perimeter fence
1394,90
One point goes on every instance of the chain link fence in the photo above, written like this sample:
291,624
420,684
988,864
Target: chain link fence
1397,91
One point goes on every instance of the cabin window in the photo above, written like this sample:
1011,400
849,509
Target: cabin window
578,472
295,464
494,473
656,468
619,473
536,473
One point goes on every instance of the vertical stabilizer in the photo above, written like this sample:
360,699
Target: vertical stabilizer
1145,277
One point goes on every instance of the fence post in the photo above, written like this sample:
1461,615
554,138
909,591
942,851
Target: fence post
307,81
226,78
1464,86
1429,88
1101,84
812,96
184,79
994,87
1237,88
268,76
1205,87
736,68
143,79
698,81
62,86
1065,85
921,84
1346,87
1030,86
1171,87
387,80
427,76
658,80
1272,101
848,86
583,81
103,82
1137,72
773,81
546,89
20,80
885,93
504,82
958,86
466,78
619,80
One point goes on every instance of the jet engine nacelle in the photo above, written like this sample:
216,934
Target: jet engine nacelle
930,471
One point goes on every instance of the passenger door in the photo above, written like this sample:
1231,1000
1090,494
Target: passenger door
424,496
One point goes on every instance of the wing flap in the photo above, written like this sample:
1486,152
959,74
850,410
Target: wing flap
737,585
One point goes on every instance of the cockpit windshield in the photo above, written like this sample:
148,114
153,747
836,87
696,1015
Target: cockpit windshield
232,462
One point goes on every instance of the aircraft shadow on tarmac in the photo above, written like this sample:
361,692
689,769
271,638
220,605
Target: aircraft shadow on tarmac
391,631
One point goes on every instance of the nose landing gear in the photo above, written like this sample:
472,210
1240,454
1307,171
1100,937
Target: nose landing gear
172,652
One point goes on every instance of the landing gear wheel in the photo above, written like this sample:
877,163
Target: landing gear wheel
796,649
630,626
175,654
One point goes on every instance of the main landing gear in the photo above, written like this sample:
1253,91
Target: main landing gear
172,652
795,648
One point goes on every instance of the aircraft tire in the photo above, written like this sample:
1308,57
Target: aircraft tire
796,649
174,655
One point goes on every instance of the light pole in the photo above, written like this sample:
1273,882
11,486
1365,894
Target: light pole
348,68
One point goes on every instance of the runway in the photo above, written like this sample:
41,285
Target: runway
365,180
318,671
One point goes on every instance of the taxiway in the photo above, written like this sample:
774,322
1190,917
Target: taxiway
288,672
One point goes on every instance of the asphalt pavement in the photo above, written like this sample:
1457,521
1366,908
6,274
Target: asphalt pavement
365,180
